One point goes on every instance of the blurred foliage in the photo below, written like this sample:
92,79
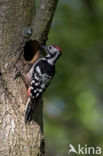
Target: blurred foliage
74,101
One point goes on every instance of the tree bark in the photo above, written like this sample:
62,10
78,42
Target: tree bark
16,17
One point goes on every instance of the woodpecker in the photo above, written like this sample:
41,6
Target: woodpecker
41,75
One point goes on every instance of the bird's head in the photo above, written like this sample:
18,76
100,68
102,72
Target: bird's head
53,49
53,52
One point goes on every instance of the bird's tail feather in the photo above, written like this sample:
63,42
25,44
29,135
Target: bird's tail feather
29,111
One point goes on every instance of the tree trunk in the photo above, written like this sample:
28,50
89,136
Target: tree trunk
16,20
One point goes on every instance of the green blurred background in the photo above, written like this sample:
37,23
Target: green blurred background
73,103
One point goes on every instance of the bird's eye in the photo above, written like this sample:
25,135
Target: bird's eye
50,47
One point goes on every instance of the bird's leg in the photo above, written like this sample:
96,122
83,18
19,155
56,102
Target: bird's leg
18,73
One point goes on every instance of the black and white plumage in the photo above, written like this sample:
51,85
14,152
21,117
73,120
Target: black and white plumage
42,73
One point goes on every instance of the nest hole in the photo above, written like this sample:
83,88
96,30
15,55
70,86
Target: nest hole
30,49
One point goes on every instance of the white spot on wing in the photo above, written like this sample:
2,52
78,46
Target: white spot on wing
37,94
36,84
40,90
43,86
32,82
37,78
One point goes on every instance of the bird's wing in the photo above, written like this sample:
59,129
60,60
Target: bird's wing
35,95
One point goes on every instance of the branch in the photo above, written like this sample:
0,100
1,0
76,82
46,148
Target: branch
43,20
40,28
91,7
